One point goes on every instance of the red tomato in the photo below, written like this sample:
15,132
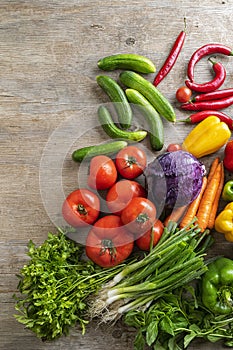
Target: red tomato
173,147
81,208
144,241
103,173
183,94
130,162
108,243
120,194
139,215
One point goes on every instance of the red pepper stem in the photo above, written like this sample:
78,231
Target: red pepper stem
185,25
187,120
210,59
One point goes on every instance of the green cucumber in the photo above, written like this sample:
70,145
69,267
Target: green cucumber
131,61
150,92
113,131
117,95
152,117
103,149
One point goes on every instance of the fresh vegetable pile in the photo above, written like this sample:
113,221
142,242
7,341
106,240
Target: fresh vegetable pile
145,258
175,261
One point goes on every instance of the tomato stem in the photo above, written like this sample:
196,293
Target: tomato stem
107,245
143,217
81,209
131,161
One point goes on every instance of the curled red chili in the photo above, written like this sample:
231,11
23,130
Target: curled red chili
208,49
172,57
206,105
212,85
199,116
214,95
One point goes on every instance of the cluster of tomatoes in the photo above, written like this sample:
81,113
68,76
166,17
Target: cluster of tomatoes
131,217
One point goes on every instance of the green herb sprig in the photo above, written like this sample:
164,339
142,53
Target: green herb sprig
176,320
54,286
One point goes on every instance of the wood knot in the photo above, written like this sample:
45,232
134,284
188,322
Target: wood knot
130,41
97,26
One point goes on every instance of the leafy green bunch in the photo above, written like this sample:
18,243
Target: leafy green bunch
54,286
176,319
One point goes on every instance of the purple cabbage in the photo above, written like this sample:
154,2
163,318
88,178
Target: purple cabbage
174,179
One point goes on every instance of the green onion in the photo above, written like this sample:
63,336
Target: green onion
175,261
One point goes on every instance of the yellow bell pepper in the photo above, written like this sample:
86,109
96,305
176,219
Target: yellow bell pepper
207,137
224,222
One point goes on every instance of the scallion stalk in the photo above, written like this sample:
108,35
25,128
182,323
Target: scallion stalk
175,261
159,250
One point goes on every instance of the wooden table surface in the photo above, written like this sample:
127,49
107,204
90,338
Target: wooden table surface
48,94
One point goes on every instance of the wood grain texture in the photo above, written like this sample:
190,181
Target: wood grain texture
48,55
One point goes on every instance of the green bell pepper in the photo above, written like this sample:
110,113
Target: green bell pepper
227,193
217,286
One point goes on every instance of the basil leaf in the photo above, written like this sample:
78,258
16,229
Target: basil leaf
188,338
167,325
152,332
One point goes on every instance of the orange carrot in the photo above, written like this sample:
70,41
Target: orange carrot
213,168
216,200
193,207
175,215
207,200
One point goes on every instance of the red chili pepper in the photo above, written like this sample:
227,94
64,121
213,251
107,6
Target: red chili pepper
199,116
214,95
207,49
206,105
212,85
172,57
